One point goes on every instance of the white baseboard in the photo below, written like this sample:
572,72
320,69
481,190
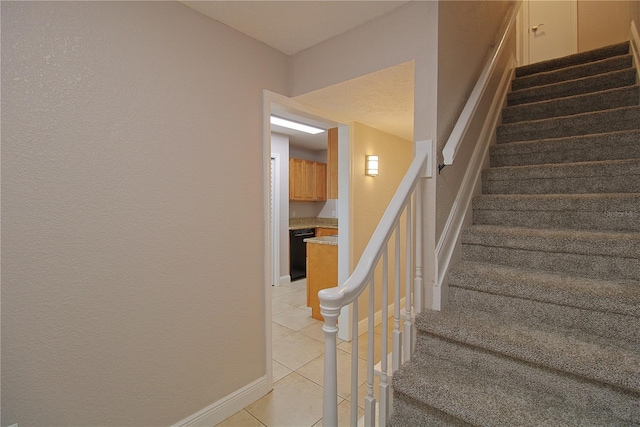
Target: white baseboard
363,325
227,406
285,280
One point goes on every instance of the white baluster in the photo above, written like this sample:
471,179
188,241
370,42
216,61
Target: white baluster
330,393
369,400
397,334
384,380
354,364
409,296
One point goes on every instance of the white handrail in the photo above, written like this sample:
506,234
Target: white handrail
333,299
462,125
338,297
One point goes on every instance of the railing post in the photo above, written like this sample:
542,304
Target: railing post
330,393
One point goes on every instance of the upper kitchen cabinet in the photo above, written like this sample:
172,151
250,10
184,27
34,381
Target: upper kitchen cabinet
332,164
307,181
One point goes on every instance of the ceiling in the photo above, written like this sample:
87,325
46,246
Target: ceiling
383,100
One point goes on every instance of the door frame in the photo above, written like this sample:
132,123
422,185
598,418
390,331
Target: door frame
523,25
269,101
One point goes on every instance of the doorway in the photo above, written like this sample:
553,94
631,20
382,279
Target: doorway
548,29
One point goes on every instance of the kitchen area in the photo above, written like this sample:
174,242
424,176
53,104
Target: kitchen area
311,251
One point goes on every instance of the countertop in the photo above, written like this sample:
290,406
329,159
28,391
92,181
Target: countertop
300,223
324,240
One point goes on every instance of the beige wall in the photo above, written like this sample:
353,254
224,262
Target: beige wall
370,196
602,23
466,33
132,223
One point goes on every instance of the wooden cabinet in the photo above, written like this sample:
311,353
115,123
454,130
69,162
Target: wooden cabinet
332,164
322,272
321,231
307,181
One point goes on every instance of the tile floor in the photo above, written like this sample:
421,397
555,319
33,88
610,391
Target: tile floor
298,345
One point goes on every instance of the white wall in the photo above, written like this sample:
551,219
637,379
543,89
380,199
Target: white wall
602,23
280,146
131,185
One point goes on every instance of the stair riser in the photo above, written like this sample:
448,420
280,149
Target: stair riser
612,329
410,412
576,72
576,59
565,185
610,221
603,267
584,86
587,395
582,124
615,98
617,146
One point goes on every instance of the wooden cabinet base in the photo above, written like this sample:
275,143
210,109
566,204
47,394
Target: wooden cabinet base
322,272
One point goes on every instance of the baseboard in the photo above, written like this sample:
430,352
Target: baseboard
453,227
227,406
285,280
363,325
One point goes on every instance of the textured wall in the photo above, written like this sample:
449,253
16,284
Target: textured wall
602,23
132,222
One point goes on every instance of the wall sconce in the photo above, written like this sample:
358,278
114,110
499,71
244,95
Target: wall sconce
371,166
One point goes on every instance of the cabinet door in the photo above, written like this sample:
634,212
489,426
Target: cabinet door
320,231
332,164
320,180
297,179
309,177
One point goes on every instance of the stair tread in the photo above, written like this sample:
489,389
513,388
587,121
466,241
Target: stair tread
616,119
575,59
584,242
572,72
570,105
615,296
454,389
588,84
561,202
571,168
551,349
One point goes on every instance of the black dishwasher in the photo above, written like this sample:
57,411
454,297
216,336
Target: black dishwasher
298,252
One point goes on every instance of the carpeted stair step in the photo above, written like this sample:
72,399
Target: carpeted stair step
614,120
606,81
573,72
410,412
572,105
585,148
481,388
605,211
610,176
565,355
598,254
614,296
575,59
592,326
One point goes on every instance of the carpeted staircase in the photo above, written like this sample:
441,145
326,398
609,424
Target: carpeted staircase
543,322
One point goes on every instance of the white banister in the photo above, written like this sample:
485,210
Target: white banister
333,299
462,125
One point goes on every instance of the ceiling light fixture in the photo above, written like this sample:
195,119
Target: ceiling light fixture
295,125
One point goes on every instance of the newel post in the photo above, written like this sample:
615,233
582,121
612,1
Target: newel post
330,397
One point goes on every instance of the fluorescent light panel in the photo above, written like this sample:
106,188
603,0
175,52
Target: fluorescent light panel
295,125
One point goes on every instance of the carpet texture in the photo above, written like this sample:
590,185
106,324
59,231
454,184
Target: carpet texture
543,321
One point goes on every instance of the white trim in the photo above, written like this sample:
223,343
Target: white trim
227,406
285,280
634,41
526,39
363,325
453,227
275,220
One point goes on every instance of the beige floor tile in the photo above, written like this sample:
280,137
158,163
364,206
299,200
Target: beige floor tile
363,345
296,319
295,401
280,371
295,351
296,298
315,331
241,419
314,371
278,331
278,291
279,307
344,414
